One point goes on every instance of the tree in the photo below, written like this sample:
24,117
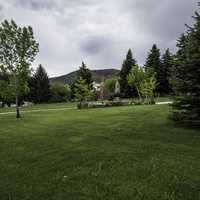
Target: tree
83,92
147,88
167,65
85,74
60,92
7,93
144,82
154,65
186,81
110,86
135,78
126,90
178,72
18,49
39,86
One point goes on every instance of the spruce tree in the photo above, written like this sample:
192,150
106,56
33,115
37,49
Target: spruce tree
153,64
127,65
39,86
186,79
167,65
85,74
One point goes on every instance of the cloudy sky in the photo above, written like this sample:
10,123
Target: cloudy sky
98,31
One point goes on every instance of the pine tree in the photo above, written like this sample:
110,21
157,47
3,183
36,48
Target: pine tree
153,64
127,65
187,76
167,65
39,86
85,74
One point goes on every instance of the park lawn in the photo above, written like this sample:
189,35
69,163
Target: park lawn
131,152
40,106
62,105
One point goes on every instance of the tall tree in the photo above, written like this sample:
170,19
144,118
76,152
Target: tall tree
127,65
167,65
178,71
135,78
187,76
153,64
85,74
18,49
82,92
39,86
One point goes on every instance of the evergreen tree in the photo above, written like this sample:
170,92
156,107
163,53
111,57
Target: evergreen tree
167,65
127,65
153,64
178,71
85,74
187,76
39,86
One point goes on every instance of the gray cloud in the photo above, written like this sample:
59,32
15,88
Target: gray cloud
36,4
98,32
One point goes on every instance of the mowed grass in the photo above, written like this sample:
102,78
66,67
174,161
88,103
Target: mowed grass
40,107
123,153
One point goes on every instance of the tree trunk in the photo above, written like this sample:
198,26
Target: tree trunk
17,107
138,93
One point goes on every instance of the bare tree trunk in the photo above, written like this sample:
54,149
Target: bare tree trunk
17,99
17,107
138,93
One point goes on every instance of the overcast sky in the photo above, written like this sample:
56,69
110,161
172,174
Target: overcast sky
98,31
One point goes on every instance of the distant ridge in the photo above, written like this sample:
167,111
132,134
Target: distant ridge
97,75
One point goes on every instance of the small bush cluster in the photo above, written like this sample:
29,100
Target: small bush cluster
101,104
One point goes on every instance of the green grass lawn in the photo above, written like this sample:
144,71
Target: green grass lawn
40,106
120,153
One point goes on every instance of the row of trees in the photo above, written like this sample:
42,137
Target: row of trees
160,66
39,89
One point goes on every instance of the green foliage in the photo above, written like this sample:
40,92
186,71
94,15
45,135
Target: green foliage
144,82
186,75
18,49
110,85
85,74
39,86
147,89
60,92
135,78
125,89
7,92
154,66
83,92
167,66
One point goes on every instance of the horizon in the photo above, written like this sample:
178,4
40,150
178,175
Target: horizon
98,33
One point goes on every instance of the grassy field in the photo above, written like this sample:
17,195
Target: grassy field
39,106
62,105
115,153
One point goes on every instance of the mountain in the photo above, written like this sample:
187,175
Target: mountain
97,75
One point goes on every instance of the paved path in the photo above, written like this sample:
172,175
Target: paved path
57,109
166,102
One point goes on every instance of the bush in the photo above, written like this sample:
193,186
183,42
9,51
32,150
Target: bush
60,92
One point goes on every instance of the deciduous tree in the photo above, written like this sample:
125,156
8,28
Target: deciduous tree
18,49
